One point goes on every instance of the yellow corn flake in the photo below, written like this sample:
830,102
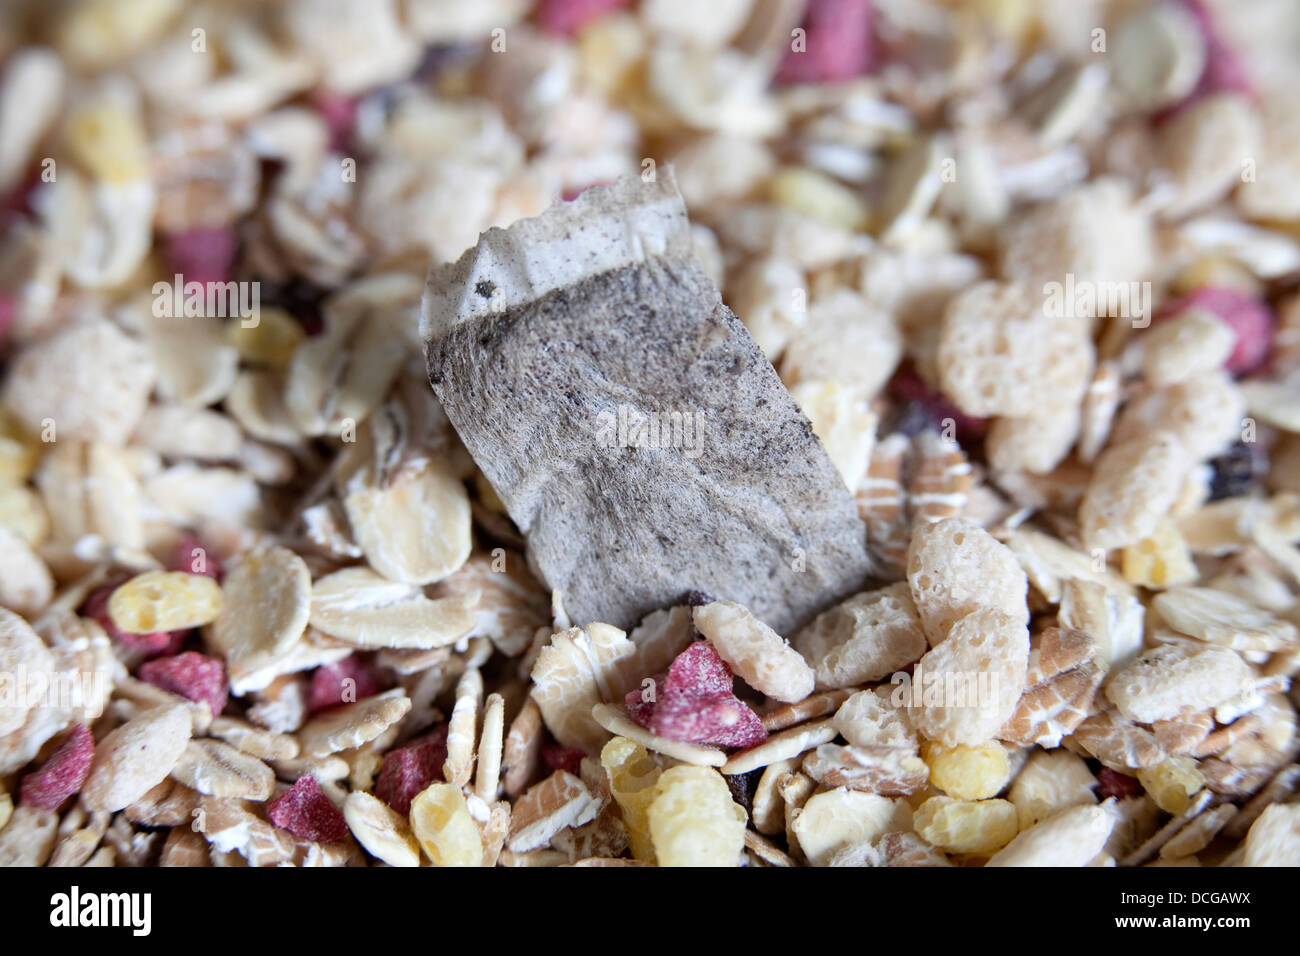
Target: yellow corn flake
1161,560
818,197
441,821
632,779
19,452
1216,271
977,827
23,513
6,808
1173,783
608,50
108,142
1013,19
271,341
165,601
968,772
694,821
95,33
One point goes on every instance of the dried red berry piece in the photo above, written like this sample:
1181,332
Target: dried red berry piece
721,719
62,774
562,758
567,17
1251,320
306,812
206,254
340,115
1111,783
191,556
343,682
194,676
698,669
1224,72
8,315
408,770
640,702
18,200
153,644
837,43
694,702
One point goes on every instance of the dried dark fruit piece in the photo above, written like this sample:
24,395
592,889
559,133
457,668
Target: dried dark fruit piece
1237,470
742,787
909,418
568,759
301,299
907,387
194,676
408,770
306,812
343,682
62,774
1111,783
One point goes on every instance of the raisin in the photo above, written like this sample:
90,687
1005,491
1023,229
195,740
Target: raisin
1237,470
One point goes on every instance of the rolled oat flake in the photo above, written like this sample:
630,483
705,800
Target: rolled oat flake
629,423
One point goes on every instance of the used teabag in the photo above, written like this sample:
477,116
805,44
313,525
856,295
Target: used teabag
631,426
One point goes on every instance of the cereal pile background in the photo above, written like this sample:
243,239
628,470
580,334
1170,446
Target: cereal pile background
1029,269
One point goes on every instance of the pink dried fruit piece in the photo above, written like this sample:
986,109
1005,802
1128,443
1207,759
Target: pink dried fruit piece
566,17
698,668
152,644
194,676
568,759
203,255
343,682
340,115
1224,72
408,770
640,702
8,313
694,702
720,719
191,556
62,774
1112,783
837,43
306,812
1251,320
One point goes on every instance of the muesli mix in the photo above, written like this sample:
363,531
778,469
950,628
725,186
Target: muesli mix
325,541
